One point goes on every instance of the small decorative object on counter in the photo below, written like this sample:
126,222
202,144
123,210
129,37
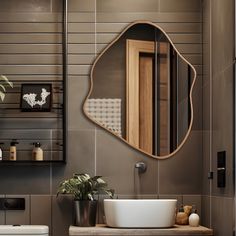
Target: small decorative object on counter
183,214
84,188
188,209
37,153
181,217
13,150
1,152
194,218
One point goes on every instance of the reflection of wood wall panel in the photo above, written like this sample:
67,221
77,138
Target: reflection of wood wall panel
145,103
164,99
163,127
132,97
134,48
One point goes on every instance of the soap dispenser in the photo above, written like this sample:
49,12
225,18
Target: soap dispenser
13,150
37,153
194,218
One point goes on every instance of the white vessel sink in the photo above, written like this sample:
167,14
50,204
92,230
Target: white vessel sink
140,213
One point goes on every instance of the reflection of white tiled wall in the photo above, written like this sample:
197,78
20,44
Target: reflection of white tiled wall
107,112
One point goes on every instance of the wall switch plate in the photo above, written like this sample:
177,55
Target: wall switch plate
221,169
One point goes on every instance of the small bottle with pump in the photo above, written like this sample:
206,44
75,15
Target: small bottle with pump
1,152
13,150
37,153
194,218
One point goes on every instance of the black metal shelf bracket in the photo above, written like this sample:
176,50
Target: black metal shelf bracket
65,76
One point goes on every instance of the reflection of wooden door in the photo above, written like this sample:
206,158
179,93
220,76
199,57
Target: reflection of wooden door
147,97
146,71
139,118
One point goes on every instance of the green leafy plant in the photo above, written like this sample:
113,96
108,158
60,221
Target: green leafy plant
84,187
3,82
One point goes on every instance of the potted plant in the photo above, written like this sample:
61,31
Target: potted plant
84,188
3,89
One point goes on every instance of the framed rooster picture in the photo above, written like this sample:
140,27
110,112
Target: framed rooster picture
36,97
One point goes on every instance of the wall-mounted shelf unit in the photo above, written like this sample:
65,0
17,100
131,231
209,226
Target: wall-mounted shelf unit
46,64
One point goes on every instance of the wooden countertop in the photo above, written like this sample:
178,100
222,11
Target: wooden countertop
103,230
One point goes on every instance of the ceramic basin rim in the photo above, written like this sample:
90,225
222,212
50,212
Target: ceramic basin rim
140,200
140,213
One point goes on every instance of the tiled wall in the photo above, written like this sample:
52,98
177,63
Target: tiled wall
218,113
93,24
41,210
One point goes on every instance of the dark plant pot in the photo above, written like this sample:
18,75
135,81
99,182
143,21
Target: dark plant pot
85,213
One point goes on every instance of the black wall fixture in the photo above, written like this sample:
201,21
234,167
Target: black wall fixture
65,76
221,169
12,204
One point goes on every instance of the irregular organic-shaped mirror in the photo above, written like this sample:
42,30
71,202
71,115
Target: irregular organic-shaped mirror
141,91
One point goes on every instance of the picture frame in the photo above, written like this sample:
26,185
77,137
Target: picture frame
36,97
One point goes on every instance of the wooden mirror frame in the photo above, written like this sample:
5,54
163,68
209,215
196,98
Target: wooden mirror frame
190,92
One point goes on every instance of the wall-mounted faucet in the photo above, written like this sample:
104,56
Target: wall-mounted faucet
141,166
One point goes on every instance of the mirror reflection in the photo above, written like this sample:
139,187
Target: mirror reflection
141,91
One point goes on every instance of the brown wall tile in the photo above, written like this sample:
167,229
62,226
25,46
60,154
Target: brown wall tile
62,215
222,215
81,5
222,133
81,157
25,6
179,199
180,6
195,201
182,173
41,210
78,87
21,217
25,179
222,35
127,6
206,214
2,214
118,166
